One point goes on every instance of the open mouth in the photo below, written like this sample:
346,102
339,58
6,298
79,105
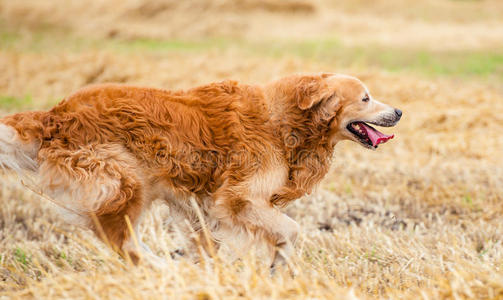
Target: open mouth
367,134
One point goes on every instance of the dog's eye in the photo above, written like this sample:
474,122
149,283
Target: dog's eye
366,98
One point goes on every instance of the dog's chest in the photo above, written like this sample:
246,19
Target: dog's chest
265,183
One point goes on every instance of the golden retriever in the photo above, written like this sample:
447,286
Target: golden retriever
236,151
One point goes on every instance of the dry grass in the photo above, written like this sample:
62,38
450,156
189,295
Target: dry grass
439,25
420,217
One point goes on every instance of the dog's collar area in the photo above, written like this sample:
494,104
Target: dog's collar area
367,134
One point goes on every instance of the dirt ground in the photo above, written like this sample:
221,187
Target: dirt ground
421,217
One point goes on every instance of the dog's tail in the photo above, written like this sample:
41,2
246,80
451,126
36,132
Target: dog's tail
20,138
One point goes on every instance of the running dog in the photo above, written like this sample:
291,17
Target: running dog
235,152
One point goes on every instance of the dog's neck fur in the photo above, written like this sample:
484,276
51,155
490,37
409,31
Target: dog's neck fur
305,142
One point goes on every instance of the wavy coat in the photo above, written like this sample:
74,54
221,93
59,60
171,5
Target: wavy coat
238,150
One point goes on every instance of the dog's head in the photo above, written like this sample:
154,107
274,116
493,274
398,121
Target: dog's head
344,104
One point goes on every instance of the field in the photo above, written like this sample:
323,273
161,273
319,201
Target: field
421,217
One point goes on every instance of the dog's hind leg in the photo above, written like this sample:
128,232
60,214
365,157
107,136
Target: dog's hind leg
117,219
103,183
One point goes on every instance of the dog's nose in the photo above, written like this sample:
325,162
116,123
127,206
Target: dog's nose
398,112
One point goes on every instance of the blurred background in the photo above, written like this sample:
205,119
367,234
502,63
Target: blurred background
53,47
424,210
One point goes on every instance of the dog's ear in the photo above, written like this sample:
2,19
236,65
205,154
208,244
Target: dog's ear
310,90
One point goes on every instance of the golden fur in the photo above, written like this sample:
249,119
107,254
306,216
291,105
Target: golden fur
239,151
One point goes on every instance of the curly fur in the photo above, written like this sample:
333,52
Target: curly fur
238,150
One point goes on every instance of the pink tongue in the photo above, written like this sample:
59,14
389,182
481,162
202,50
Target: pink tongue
375,136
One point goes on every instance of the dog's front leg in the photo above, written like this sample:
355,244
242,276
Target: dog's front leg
261,218
287,233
